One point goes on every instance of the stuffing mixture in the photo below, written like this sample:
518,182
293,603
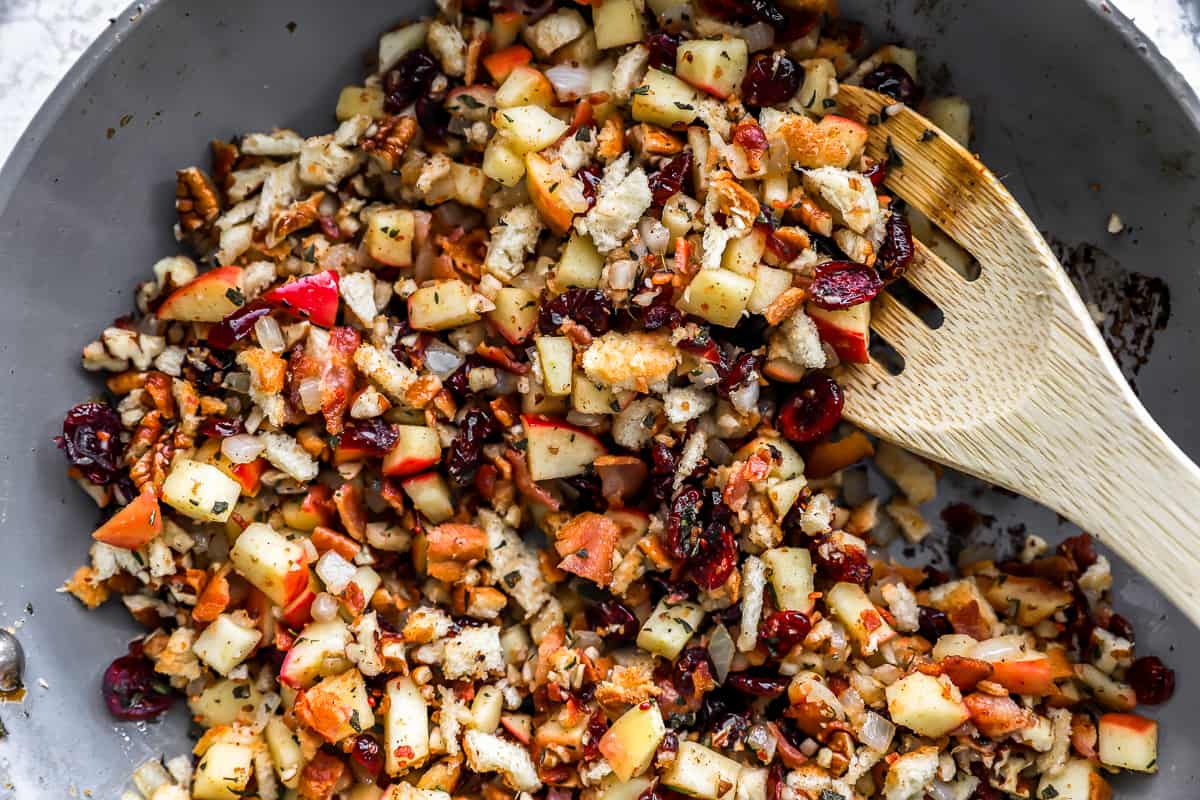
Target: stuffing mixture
488,446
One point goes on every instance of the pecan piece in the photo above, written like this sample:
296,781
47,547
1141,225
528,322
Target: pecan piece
196,200
389,142
296,217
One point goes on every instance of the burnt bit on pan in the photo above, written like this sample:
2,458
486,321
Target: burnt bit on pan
1135,306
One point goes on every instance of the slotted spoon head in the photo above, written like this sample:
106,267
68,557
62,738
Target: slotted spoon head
1016,386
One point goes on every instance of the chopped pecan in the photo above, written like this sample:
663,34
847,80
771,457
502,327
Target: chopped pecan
214,598
224,156
158,386
151,469
85,588
348,499
462,254
526,485
655,140
196,200
474,52
785,305
611,139
144,437
813,217
390,140
420,393
586,543
123,383
298,216
733,199
501,357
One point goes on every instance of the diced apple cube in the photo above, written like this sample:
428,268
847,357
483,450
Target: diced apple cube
589,398
556,356
206,298
790,464
502,164
200,491
580,263
717,295
445,304
926,705
790,571
556,194
670,627
320,650
1128,741
525,86
846,330
702,773
862,619
224,644
613,788
556,449
769,283
355,100
784,494
430,495
664,100
1078,780
516,313
394,45
406,727
952,115
486,709
417,449
270,562
617,23
715,65
284,748
629,745
528,128
752,783
224,771
743,254
389,236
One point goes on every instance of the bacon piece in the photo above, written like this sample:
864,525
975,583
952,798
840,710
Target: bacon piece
997,716
587,542
337,377
965,672
526,485
214,599
348,500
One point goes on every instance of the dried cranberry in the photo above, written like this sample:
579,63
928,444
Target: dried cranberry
590,308
897,251
133,691
778,246
221,427
91,438
1080,549
1120,626
813,411
934,624
408,80
842,284
685,524
663,47
692,662
876,173
590,175
466,451
985,790
782,631
433,118
775,782
744,369
662,470
372,437
757,683
772,79
1152,681
843,564
662,313
367,754
766,11
612,619
459,381
716,557
703,346
238,324
894,81
597,726
669,178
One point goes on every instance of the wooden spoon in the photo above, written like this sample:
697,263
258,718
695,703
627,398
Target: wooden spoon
1017,387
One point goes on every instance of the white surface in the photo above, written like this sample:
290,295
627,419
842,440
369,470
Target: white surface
40,39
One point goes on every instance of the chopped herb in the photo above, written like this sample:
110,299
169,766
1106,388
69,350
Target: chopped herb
687,626
235,296
512,578
582,553
811,100
872,119
553,187
469,102
242,691
684,106
354,721
583,135
830,794
828,102
220,507
648,420
162,688
1049,792
927,135
893,155
310,253
521,444
641,90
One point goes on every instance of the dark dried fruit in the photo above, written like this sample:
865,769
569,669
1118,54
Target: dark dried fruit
663,47
775,782
771,79
596,728
703,346
693,663
466,451
685,524
368,754
612,619
1080,549
91,438
221,427
590,175
662,471
757,683
744,369
459,381
876,172
894,81
433,118
813,411
408,80
1120,626
670,177
590,308
897,251
238,325
716,557
842,284
934,624
778,246
843,564
782,631
662,313
134,691
1152,681
371,437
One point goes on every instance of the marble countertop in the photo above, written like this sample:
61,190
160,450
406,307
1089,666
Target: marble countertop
40,39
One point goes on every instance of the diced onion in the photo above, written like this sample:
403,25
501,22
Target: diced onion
241,449
876,732
442,360
1004,648
745,398
269,335
758,36
721,651
674,17
310,395
325,607
655,235
940,790
335,571
570,82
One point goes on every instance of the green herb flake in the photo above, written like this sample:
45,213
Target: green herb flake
893,154
1049,792
235,296
354,721
469,102
928,135
641,90
241,692
583,135
220,507
512,578
684,106
828,102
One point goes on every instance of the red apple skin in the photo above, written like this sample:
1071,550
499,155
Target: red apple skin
407,466
319,503
298,613
1033,677
218,280
296,582
538,421
848,343
250,475
1130,722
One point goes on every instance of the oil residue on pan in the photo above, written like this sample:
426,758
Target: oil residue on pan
1131,307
